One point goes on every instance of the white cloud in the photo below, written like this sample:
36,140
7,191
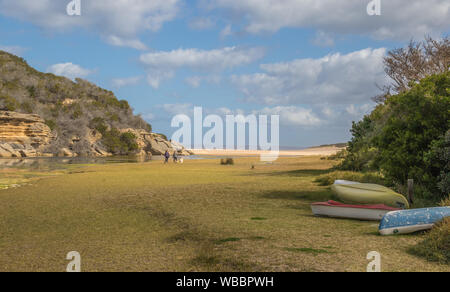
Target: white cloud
69,70
123,19
195,81
15,50
400,19
292,115
358,111
289,115
121,82
323,39
163,65
226,32
131,43
333,79
202,23
177,108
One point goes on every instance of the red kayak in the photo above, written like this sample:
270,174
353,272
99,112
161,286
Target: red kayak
360,212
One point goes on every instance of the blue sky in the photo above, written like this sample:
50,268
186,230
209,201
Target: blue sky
315,63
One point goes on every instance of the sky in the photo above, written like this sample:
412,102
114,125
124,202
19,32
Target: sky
315,63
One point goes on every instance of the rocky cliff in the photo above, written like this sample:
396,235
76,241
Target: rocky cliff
49,115
26,135
23,135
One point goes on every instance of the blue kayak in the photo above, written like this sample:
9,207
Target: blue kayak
409,221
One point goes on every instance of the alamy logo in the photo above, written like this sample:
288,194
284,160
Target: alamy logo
255,126
374,8
75,262
74,8
375,264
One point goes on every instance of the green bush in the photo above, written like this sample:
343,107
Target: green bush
32,91
8,103
51,124
227,161
403,138
129,140
99,125
119,143
417,118
27,107
439,158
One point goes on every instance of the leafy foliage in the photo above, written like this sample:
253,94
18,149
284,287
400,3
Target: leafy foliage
403,138
118,143
439,158
8,103
417,118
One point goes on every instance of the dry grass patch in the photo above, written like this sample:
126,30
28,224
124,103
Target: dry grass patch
199,216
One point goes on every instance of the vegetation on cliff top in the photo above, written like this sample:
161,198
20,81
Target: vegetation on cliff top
68,107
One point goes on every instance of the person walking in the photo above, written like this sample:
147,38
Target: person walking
175,157
166,156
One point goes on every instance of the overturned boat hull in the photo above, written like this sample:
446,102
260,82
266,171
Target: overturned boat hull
358,212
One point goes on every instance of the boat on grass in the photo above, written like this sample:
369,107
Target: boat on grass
414,220
362,193
359,212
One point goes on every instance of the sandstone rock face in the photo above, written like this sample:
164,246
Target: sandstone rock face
26,135
22,135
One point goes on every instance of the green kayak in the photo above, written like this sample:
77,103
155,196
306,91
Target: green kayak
369,194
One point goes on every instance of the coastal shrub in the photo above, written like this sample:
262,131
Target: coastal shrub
32,91
27,107
227,161
129,140
417,118
77,111
439,158
99,125
118,143
362,177
8,103
51,124
404,138
338,156
436,246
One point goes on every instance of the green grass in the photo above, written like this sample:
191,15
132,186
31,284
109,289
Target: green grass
230,239
308,250
363,177
191,217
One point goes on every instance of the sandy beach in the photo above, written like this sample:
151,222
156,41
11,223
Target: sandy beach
314,151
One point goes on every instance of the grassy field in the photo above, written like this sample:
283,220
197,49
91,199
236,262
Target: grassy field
199,216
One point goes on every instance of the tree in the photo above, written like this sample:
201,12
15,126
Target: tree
407,66
416,119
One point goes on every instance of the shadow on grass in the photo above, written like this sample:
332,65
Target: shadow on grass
295,173
310,196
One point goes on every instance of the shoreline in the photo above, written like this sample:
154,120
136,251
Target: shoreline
313,151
